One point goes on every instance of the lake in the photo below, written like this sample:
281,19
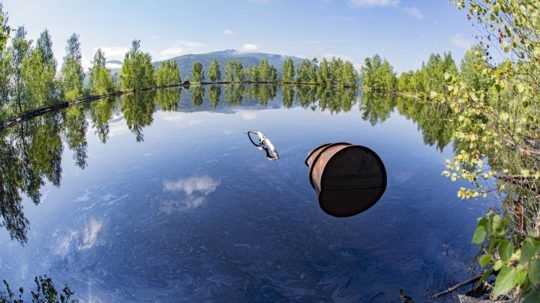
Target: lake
161,197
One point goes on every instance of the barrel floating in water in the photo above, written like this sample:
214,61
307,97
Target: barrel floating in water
348,178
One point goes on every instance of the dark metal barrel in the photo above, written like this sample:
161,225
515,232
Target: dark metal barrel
348,178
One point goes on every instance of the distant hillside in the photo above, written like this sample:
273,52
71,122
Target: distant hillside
185,62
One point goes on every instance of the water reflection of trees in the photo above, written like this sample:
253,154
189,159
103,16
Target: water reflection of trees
31,151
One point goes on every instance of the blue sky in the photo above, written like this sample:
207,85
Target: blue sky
403,31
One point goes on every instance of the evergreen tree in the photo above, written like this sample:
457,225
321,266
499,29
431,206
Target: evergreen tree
101,81
137,71
72,70
168,74
214,74
288,70
197,73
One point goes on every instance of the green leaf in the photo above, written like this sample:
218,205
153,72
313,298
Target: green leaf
480,233
532,297
497,225
521,276
534,272
498,264
529,249
506,281
506,249
484,260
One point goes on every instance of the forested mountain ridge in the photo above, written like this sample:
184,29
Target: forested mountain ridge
185,62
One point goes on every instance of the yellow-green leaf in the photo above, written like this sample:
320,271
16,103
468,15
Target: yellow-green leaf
506,281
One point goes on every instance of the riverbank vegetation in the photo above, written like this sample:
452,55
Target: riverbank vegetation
29,78
494,110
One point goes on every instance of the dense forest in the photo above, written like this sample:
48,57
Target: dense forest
492,113
30,77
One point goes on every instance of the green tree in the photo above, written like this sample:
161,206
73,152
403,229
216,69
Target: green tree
38,78
101,81
72,70
307,72
266,72
44,44
137,71
197,73
234,71
288,70
378,76
473,63
168,74
214,73
5,60
20,47
4,28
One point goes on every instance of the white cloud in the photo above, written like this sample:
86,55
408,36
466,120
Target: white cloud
228,32
196,190
374,3
414,12
249,47
458,40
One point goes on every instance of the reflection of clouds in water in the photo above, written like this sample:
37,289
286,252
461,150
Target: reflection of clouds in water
82,239
90,233
248,115
84,197
178,119
118,127
195,188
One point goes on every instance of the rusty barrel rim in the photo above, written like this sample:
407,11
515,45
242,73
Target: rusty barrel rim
313,151
380,193
322,148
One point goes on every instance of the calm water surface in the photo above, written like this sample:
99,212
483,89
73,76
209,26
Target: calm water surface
178,206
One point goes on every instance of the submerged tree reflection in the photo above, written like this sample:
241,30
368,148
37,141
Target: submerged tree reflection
31,151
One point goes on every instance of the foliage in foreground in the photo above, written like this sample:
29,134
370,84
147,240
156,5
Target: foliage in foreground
494,110
44,292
